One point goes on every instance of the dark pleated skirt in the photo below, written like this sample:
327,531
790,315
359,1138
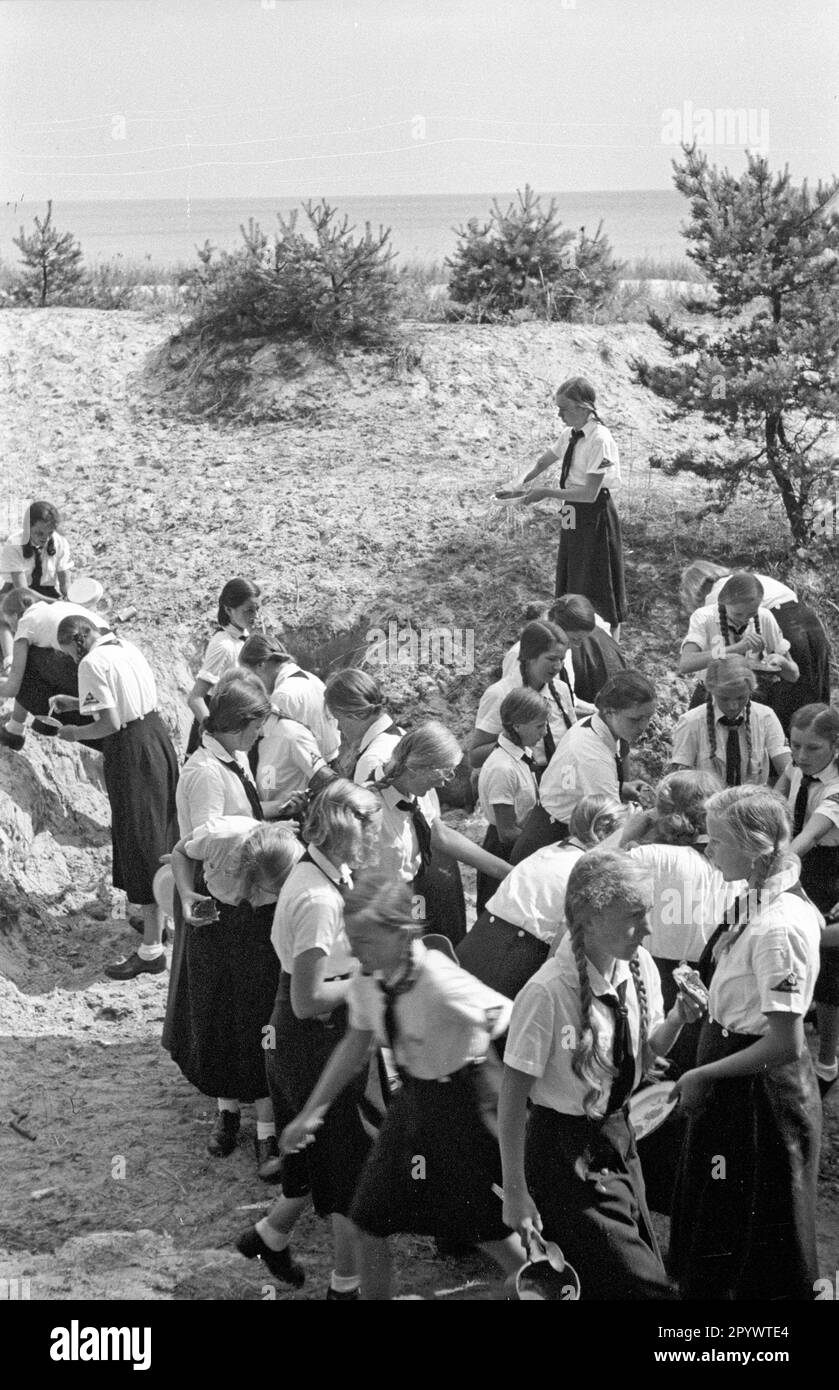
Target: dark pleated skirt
538,830
440,886
222,987
597,657
810,649
330,1167
141,774
433,1166
47,672
820,880
748,1230
501,955
606,1234
486,886
590,558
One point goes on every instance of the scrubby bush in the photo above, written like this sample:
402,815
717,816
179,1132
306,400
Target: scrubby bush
52,261
521,263
328,286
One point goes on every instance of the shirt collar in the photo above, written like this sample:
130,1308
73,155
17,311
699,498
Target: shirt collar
239,634
601,728
599,984
218,750
339,875
514,749
378,726
828,774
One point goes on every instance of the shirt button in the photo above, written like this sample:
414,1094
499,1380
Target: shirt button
725,1032
521,933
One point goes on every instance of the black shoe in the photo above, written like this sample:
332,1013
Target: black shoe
278,1262
135,965
222,1141
269,1164
12,741
352,1296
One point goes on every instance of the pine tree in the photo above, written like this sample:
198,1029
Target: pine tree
770,375
52,260
522,258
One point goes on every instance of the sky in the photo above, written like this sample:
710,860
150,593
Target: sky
234,98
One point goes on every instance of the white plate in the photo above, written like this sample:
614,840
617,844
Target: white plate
650,1108
84,591
163,887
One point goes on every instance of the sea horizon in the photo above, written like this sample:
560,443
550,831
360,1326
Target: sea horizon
639,223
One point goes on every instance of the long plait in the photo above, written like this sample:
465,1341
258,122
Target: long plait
747,726
723,618
711,724
588,1057
644,1009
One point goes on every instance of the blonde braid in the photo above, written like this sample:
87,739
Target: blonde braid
588,1059
747,727
711,721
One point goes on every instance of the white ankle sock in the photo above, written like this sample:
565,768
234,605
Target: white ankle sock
224,1104
13,726
150,952
266,1129
345,1283
275,1240
826,1072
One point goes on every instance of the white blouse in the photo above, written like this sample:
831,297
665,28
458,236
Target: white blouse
547,1019
771,965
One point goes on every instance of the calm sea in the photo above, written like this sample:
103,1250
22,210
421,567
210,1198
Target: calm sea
167,231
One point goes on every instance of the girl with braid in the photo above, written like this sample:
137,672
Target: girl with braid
590,557
368,733
752,1098
507,786
811,787
416,844
584,1030
738,625
541,659
732,734
702,581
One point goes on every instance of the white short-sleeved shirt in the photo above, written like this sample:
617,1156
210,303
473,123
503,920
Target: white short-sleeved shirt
114,675
532,896
219,845
547,1019
221,653
822,796
692,747
443,1022
584,764
288,758
310,916
771,966
299,695
596,452
207,788
704,630
376,747
774,592
398,846
13,561
39,624
560,716
690,899
506,780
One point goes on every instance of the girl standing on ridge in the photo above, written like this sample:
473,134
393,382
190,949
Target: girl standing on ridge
590,556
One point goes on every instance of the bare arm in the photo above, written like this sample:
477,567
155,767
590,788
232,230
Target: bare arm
505,824
519,1212
540,465
783,1043
197,699
61,579
346,1061
480,747
105,723
815,830
311,993
11,685
462,848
